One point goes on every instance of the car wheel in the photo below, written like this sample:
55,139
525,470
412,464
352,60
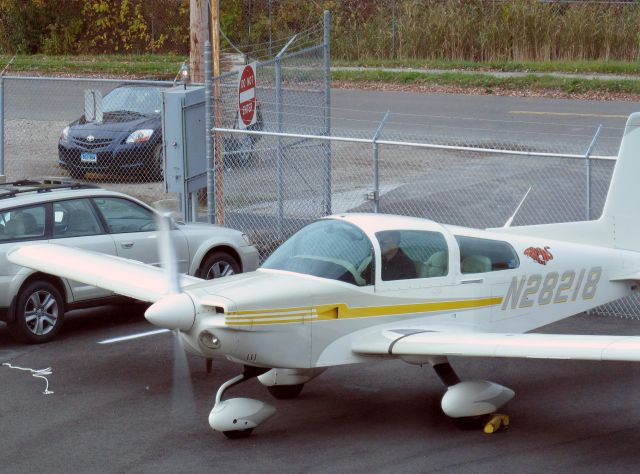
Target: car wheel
39,313
218,264
157,168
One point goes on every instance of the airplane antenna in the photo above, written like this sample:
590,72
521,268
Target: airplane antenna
510,220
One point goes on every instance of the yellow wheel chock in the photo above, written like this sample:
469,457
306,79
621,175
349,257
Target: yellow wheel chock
495,422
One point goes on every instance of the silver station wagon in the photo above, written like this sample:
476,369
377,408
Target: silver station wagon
33,304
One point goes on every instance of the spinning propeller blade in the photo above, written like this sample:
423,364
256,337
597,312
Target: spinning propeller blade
182,399
172,308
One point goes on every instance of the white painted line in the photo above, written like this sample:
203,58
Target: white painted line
247,95
566,114
133,336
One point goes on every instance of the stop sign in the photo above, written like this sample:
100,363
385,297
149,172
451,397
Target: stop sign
247,96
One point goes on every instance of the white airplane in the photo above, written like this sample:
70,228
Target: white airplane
356,288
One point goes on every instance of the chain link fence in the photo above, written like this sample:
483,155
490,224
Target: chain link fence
459,184
475,177
288,171
292,93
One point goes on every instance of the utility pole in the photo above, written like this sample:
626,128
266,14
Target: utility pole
198,35
219,166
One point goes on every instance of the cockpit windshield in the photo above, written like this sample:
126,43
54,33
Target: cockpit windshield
327,248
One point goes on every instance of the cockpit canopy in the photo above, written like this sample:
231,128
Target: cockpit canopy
340,250
328,248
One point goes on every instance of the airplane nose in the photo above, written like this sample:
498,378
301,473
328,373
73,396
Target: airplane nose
175,311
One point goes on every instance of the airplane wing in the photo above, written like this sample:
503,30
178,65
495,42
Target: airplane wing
122,276
632,276
405,342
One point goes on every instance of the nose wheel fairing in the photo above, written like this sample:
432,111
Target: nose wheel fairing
472,404
237,417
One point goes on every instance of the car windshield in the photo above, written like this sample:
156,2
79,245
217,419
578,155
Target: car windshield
141,100
329,249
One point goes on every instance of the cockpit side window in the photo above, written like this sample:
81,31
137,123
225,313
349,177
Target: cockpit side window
409,254
485,255
327,248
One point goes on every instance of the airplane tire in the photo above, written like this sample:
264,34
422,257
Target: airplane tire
238,434
285,392
467,423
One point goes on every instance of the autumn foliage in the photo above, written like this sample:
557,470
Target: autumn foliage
475,30
94,26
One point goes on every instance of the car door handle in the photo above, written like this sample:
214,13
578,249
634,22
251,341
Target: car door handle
126,245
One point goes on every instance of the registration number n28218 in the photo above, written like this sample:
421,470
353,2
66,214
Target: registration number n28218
525,291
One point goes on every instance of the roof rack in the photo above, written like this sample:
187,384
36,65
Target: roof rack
40,185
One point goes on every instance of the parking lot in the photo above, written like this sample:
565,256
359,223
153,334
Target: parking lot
116,408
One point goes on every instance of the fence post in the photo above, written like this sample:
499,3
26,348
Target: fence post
279,154
327,109
587,158
279,157
194,207
376,172
208,109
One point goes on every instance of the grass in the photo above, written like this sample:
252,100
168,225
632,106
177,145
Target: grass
581,67
165,66
159,66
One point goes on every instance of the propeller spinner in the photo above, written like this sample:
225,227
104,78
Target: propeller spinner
176,310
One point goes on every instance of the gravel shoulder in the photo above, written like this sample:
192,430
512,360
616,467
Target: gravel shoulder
495,91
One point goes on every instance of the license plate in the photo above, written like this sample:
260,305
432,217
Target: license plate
88,157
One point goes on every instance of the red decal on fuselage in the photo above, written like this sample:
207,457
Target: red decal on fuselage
539,255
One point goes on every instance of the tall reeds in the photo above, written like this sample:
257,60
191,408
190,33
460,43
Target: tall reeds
476,30
517,30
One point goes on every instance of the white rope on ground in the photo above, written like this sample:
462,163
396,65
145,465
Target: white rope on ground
36,373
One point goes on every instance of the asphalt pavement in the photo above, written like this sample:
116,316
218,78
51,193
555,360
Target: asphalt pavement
128,407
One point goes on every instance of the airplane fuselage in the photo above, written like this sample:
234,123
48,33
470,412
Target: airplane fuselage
296,320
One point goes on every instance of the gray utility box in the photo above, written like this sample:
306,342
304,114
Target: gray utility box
183,129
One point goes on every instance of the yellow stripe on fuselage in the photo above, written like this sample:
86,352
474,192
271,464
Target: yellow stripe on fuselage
343,311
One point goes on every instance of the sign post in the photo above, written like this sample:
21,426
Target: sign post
247,97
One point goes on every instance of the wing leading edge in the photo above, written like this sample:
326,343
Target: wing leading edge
122,276
540,346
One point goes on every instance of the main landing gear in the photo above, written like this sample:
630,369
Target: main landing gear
472,404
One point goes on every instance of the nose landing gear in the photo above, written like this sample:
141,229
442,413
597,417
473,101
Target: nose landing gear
237,417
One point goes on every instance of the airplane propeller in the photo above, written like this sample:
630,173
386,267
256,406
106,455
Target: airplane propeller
177,312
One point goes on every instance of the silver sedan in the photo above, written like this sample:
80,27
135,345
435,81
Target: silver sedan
33,304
